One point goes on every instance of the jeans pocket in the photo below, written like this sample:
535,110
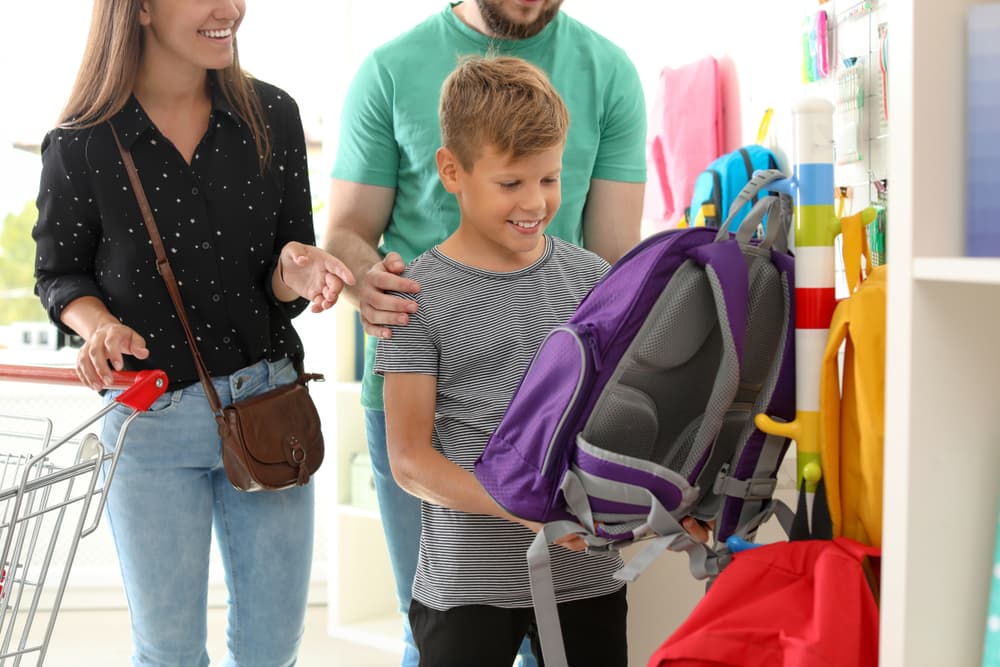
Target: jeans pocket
166,403
281,373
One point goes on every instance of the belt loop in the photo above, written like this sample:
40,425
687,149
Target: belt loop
270,372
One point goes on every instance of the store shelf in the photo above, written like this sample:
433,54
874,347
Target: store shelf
361,590
359,512
381,632
941,421
973,270
361,584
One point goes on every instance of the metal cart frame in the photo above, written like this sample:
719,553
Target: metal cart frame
46,505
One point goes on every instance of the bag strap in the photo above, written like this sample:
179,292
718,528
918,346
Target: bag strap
855,246
778,211
543,594
759,182
765,126
166,272
726,272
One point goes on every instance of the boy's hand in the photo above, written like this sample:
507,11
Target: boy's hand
378,308
698,529
571,542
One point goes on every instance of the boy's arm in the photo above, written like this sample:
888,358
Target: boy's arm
417,467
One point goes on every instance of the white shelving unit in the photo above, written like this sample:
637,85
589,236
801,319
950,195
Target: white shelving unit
942,437
361,596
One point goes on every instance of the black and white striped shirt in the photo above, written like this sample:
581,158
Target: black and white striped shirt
477,331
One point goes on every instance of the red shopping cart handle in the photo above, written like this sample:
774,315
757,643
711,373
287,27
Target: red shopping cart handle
148,386
141,388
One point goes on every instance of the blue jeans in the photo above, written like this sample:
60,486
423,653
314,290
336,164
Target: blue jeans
400,513
168,492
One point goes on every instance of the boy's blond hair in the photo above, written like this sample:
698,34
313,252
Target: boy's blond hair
503,102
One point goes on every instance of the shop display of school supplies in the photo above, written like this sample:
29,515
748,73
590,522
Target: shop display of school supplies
982,231
991,649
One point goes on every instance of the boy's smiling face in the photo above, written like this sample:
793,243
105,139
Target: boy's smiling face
505,203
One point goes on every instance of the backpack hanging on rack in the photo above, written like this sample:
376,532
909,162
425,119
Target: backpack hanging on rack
685,133
852,403
719,184
810,603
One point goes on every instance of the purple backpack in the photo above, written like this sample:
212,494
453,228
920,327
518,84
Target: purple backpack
639,411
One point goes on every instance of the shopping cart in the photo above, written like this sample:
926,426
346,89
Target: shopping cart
46,493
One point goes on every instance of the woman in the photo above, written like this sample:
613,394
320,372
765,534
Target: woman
222,159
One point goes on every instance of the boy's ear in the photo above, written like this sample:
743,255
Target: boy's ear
448,168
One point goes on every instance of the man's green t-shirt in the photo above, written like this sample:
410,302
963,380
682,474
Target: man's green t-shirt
390,129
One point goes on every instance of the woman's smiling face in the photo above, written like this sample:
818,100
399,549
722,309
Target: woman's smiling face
194,33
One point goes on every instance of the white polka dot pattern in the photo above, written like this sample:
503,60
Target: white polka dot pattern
222,221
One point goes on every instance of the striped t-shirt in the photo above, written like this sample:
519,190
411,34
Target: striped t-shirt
477,331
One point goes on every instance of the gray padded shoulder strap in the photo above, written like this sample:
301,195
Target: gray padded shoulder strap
757,183
778,211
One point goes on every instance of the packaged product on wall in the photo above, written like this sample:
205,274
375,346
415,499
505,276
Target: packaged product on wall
983,132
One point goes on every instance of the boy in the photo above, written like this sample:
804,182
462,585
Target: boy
490,293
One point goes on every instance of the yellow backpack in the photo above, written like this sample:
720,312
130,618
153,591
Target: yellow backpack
852,409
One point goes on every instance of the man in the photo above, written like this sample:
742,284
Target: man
385,186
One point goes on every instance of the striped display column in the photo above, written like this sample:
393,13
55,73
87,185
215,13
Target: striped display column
816,226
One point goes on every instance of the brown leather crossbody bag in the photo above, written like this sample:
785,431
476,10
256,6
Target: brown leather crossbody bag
270,441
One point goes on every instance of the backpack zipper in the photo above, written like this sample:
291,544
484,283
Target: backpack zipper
587,345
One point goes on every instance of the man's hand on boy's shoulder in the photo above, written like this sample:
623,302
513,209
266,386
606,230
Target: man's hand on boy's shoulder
378,308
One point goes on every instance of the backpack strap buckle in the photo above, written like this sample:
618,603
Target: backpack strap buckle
755,488
607,547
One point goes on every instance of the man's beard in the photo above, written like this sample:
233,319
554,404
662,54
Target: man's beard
501,26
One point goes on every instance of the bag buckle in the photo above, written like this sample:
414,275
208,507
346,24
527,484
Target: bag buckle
295,453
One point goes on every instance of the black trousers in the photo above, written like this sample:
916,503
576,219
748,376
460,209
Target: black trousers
594,632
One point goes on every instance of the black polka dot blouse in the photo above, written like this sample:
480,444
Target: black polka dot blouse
223,225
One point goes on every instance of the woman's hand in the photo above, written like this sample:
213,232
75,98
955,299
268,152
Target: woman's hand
311,273
107,344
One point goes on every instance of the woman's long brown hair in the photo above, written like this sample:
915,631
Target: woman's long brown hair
111,62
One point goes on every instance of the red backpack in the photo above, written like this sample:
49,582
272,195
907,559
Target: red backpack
809,603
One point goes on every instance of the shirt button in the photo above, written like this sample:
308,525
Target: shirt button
194,191
206,245
216,298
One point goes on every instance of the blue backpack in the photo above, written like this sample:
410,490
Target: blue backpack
721,182
640,410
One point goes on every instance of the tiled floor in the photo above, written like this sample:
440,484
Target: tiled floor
101,639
